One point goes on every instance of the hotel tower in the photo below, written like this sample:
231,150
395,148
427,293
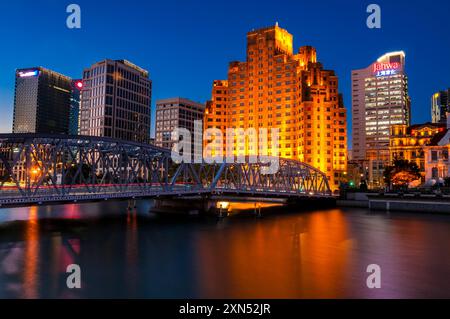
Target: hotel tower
379,100
276,88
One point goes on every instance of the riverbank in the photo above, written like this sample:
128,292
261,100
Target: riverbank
401,203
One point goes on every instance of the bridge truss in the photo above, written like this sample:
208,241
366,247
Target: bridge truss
53,168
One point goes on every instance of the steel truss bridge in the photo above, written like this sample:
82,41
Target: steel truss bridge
37,169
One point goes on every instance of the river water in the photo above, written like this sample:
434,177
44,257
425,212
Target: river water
312,254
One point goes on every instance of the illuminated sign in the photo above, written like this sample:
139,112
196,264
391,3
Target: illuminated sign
27,74
386,69
79,85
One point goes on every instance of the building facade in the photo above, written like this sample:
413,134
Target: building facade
176,113
437,163
440,105
380,99
408,143
41,102
276,88
116,101
75,101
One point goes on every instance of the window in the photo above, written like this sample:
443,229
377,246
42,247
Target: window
435,173
434,156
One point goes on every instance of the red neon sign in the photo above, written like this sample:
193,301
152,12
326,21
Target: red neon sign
386,66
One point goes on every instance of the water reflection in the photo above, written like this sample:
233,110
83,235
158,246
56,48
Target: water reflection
132,270
288,257
31,268
131,253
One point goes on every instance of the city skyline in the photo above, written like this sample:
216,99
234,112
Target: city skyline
207,42
204,151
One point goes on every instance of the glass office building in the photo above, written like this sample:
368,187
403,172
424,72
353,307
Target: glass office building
440,105
41,102
115,101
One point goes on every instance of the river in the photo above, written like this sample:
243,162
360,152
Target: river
136,254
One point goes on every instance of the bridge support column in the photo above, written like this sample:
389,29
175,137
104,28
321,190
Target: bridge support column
258,210
185,206
131,204
308,203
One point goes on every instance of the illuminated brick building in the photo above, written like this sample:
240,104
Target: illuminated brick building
409,143
276,88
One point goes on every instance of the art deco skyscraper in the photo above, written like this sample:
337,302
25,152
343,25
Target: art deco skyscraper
276,88
116,100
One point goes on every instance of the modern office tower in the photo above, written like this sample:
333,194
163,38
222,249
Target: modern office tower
440,105
115,101
176,113
379,100
75,100
276,88
42,101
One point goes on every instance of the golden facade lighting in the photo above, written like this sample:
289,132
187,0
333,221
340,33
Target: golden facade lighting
276,88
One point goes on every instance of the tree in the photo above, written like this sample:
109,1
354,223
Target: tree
401,174
447,182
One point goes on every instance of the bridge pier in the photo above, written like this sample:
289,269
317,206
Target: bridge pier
132,204
312,203
185,206
258,210
222,207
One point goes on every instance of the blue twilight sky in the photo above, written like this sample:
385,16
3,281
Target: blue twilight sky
186,44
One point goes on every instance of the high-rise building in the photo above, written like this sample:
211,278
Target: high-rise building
440,105
176,113
42,101
116,101
215,113
275,88
75,100
379,100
